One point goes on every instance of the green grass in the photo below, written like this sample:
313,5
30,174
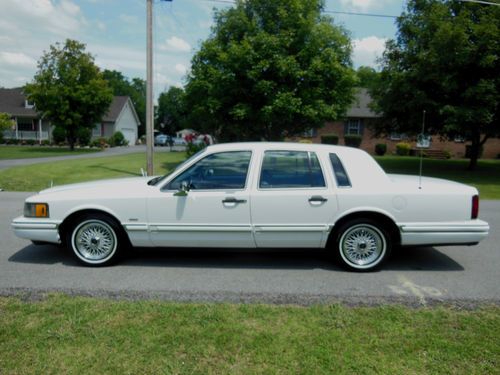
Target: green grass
27,152
486,178
39,176
64,335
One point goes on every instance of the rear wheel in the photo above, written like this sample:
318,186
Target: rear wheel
95,240
362,244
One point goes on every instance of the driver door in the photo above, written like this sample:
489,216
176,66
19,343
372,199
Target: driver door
215,212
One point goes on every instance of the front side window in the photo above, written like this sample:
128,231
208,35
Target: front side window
290,169
224,170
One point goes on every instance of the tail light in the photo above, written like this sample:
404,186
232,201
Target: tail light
475,207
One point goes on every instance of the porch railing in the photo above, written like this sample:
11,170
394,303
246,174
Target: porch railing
21,134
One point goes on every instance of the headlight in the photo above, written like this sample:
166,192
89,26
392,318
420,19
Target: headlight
36,210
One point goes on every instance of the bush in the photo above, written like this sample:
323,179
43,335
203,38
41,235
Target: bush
99,143
30,142
403,149
352,140
380,149
45,142
330,139
84,136
58,135
117,139
192,148
12,141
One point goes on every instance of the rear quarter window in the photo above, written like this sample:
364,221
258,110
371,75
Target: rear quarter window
339,172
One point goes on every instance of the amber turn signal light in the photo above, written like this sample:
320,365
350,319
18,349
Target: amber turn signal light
36,210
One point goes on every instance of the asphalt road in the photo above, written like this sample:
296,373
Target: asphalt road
417,276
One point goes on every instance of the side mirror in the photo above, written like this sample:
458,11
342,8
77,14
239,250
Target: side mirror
183,189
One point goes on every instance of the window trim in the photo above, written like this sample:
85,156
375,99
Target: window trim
166,187
354,121
291,188
335,175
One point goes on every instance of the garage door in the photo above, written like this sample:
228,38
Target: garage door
129,135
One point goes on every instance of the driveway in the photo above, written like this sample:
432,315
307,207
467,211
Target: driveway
115,151
416,276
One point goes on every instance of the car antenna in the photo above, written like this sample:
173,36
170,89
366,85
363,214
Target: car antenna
421,152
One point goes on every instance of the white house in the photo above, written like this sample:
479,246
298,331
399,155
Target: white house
29,124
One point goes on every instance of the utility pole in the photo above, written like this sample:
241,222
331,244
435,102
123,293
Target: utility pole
149,90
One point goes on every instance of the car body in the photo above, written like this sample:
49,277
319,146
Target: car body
179,141
259,195
162,140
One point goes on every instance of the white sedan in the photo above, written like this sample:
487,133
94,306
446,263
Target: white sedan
258,195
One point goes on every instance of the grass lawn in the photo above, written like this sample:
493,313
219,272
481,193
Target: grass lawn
93,336
27,152
39,176
486,178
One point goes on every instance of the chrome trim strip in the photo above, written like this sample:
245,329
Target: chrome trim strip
199,228
271,228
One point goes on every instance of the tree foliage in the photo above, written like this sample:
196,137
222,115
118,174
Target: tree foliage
172,111
134,88
69,89
445,60
270,68
367,76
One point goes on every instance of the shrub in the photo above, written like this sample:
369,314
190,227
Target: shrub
30,142
380,149
99,142
352,140
84,136
192,148
58,135
12,141
330,139
45,142
403,149
117,139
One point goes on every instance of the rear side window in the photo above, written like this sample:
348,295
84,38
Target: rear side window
339,172
290,169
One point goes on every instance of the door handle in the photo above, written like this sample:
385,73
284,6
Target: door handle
234,200
317,198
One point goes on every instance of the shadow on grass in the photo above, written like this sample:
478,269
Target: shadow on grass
422,259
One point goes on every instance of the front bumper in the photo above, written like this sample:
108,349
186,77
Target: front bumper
36,229
448,233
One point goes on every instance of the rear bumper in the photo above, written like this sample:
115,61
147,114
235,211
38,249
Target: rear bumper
450,233
36,230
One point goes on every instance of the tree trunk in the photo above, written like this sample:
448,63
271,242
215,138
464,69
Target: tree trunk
475,151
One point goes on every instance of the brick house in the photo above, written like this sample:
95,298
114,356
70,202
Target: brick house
358,121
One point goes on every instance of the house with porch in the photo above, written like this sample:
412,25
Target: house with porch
30,124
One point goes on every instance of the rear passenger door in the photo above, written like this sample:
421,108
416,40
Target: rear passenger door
291,203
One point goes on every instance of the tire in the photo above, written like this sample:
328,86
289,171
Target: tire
95,240
362,245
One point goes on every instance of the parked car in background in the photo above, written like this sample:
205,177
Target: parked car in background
162,140
259,195
178,141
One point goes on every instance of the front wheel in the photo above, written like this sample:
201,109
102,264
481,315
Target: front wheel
362,245
95,240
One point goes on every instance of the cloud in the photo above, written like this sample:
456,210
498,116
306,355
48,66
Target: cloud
16,59
366,50
181,68
362,4
175,44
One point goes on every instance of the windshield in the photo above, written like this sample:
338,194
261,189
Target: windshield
155,181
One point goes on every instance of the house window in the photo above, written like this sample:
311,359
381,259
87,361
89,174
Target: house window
459,139
396,136
28,104
25,124
96,131
354,127
310,133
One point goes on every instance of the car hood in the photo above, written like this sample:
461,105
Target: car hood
128,184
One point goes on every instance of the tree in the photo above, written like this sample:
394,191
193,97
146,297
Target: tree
367,76
6,123
69,89
171,110
135,89
270,68
445,60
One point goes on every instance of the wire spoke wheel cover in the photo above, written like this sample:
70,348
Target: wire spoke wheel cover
94,241
362,246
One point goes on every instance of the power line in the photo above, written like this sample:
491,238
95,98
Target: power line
324,11
480,2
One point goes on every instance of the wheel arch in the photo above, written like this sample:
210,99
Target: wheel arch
386,221
70,220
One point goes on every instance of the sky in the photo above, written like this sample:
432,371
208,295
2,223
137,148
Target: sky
114,32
